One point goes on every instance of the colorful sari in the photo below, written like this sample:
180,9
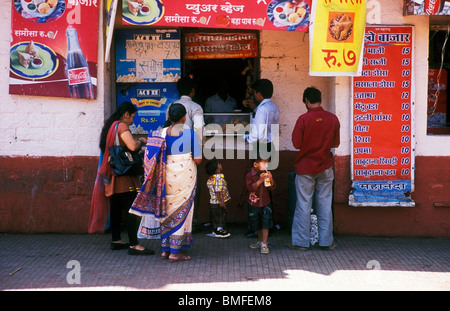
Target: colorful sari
98,215
151,198
168,193
181,181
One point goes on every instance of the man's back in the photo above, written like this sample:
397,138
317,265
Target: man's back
315,133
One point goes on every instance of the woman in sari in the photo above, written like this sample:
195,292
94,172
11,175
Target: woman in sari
183,153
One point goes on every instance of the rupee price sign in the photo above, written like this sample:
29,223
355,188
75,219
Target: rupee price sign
382,138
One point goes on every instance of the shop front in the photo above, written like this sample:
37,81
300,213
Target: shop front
391,166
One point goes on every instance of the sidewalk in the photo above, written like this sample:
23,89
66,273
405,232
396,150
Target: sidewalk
60,261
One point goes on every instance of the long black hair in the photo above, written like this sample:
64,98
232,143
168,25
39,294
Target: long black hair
121,110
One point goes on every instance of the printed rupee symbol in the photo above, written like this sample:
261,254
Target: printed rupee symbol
330,59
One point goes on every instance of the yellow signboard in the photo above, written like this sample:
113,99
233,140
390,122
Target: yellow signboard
337,37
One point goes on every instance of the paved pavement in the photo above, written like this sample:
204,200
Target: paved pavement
85,262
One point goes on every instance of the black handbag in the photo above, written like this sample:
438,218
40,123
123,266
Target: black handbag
125,162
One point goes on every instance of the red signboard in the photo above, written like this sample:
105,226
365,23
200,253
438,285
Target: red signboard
220,45
292,15
54,48
383,156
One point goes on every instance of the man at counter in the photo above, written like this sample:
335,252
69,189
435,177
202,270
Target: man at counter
194,112
265,124
221,101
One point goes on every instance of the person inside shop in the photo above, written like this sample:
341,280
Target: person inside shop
221,101
119,190
315,133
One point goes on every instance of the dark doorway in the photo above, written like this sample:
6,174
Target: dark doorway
207,73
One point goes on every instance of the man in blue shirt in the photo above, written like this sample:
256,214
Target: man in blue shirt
264,126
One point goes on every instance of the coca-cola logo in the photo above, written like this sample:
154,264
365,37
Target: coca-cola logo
432,6
78,75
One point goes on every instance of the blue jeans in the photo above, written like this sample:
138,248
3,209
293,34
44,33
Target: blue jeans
317,190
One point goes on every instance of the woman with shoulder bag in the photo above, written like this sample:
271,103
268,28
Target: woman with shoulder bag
121,190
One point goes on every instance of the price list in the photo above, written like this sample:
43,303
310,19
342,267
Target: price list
382,127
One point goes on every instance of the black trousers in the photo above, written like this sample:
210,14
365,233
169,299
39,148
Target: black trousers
118,203
218,215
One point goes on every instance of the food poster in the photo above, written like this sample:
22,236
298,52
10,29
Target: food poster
382,120
336,37
292,15
54,48
151,100
151,55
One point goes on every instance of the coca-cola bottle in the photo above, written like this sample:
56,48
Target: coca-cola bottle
80,85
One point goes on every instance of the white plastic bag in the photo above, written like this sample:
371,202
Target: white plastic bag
314,237
150,228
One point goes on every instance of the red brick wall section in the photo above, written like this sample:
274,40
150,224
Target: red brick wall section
46,194
432,186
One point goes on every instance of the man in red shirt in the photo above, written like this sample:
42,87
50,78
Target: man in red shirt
315,133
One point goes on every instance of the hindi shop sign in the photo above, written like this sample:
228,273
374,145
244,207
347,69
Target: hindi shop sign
220,45
237,14
382,119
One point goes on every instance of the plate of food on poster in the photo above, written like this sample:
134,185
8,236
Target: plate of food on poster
288,15
33,60
40,11
142,12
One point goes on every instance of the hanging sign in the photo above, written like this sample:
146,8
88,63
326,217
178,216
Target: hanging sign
151,55
54,48
220,45
336,37
290,15
383,124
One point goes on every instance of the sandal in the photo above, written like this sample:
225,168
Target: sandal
182,257
165,255
114,246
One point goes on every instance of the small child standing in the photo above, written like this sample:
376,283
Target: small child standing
259,182
219,195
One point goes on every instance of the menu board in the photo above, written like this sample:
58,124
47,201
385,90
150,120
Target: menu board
289,15
54,48
383,125
151,55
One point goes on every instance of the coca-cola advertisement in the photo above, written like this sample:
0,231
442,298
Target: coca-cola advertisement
54,48
426,7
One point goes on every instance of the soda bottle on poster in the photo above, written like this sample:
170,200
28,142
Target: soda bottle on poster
80,84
